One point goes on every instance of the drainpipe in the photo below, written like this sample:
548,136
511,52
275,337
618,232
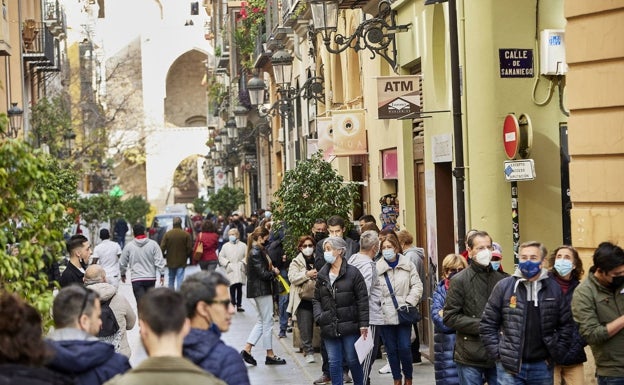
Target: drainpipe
459,171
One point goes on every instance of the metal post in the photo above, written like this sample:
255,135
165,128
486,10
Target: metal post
459,171
515,220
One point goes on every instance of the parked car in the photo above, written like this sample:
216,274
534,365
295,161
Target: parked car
164,222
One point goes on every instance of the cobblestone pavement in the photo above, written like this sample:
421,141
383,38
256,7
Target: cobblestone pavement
295,372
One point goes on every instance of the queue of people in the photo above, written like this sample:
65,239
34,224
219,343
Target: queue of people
528,327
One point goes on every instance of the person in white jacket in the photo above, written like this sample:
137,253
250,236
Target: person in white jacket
232,259
399,279
363,260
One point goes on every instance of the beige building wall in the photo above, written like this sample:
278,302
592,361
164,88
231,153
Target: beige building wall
595,51
484,28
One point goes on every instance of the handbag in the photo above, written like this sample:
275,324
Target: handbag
198,253
306,292
283,288
408,315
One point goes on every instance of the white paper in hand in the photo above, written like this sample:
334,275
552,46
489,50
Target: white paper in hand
364,346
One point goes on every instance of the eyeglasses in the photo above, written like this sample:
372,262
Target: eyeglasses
225,302
308,245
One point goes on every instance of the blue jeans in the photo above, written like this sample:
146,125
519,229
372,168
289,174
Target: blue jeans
602,380
264,322
474,375
396,338
534,373
176,276
283,314
339,348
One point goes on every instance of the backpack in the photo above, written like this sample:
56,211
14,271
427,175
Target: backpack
110,326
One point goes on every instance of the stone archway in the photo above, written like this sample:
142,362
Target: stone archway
165,150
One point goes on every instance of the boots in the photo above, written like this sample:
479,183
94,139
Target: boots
408,381
397,382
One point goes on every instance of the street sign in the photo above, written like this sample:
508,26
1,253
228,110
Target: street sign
511,136
519,170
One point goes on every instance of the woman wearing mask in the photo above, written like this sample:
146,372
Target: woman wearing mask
261,274
566,268
399,279
232,259
341,310
301,274
444,337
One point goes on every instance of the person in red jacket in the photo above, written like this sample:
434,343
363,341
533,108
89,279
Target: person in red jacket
210,239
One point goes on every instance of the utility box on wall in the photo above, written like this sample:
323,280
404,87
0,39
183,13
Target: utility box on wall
552,52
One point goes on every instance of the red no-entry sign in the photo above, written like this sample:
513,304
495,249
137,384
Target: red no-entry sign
511,136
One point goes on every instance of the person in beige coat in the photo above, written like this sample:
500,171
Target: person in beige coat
95,279
232,259
300,273
407,288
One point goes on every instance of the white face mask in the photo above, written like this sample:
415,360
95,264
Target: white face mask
307,251
484,257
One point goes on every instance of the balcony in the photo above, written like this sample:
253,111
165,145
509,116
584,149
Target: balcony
54,18
39,45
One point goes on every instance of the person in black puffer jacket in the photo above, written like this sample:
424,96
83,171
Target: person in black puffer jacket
260,276
341,310
526,323
22,349
566,268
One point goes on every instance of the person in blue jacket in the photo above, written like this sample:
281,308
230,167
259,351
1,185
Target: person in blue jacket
444,337
210,309
77,352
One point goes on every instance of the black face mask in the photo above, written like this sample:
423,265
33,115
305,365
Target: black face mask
616,283
320,236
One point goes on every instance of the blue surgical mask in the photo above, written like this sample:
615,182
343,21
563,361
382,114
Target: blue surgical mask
563,266
388,254
495,265
232,238
329,257
530,269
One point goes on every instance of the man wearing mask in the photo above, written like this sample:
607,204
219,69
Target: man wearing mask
467,296
598,308
319,230
79,250
534,318
335,228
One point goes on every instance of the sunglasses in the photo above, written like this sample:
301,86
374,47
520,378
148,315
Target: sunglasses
308,245
225,302
453,271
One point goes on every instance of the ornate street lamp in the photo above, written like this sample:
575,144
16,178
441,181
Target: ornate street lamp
282,65
15,121
376,34
231,127
240,115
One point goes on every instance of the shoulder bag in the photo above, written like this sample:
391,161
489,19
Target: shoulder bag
198,253
408,315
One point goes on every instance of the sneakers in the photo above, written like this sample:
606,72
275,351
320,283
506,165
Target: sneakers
385,369
322,380
240,309
248,358
346,379
275,360
282,335
309,358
